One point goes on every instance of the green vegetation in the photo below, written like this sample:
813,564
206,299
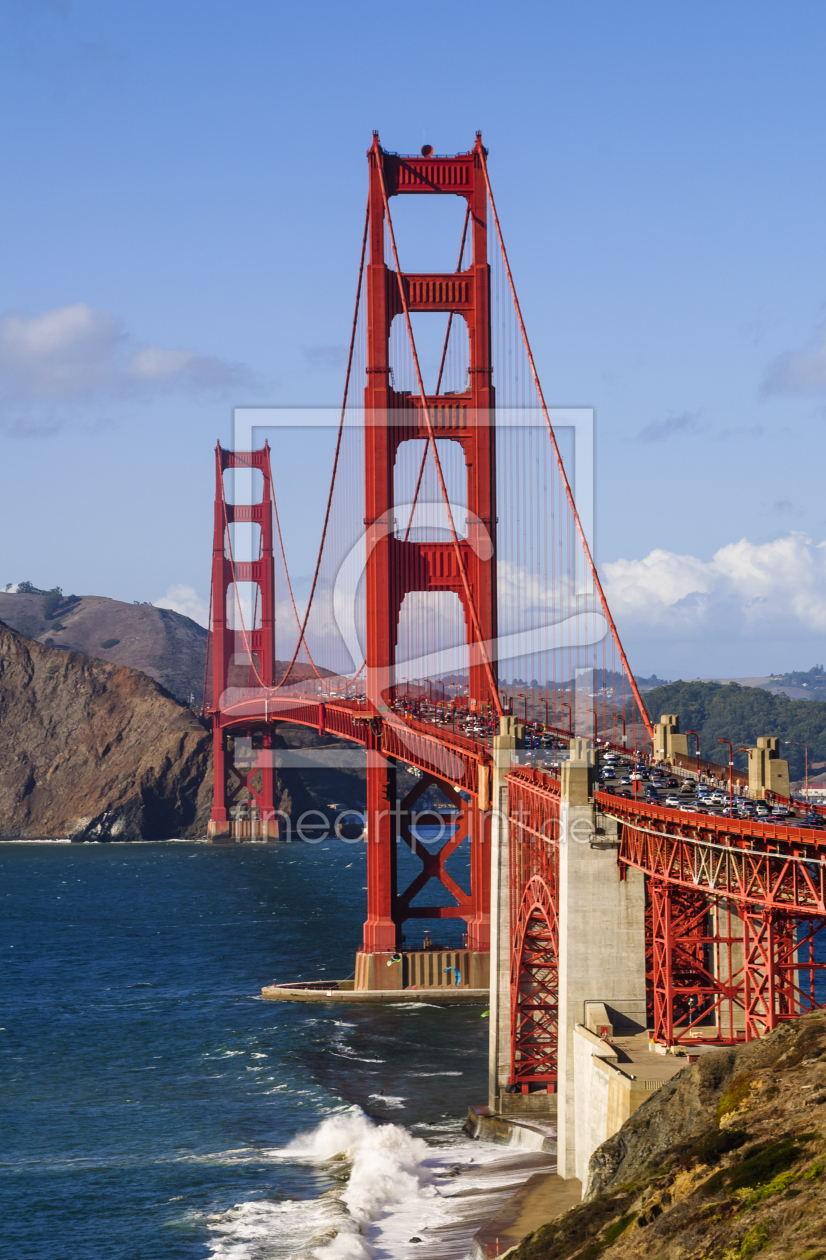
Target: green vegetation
107,643
763,1165
612,1233
776,1186
754,1241
814,680
716,1144
729,711
52,602
738,1094
53,599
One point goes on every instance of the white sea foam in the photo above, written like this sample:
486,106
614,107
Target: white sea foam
399,1186
263,1230
437,1073
390,1101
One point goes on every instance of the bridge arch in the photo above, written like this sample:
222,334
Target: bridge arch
535,981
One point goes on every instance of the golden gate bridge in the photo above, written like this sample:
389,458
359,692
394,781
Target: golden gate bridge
452,557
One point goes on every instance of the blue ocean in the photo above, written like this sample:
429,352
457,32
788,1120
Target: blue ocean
154,1106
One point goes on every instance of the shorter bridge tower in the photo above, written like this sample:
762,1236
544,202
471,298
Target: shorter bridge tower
243,657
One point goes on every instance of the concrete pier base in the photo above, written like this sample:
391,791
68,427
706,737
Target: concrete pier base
243,831
422,969
342,991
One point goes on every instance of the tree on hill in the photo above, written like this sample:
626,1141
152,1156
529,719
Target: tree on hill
741,714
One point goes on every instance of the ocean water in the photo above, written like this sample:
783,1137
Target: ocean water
154,1106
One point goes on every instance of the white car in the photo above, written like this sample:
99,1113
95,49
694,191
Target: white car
673,801
688,809
636,776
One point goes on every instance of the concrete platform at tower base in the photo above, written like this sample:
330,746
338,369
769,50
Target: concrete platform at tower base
542,1198
530,1132
342,991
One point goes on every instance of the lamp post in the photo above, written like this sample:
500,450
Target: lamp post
545,702
697,754
565,705
520,695
730,771
748,750
805,748
595,722
621,717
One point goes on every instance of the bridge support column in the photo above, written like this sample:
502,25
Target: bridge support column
505,745
601,934
381,931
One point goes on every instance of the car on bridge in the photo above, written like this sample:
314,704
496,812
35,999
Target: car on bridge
673,800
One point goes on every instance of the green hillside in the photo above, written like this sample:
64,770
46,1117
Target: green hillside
727,710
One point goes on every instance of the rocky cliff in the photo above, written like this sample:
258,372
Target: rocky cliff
726,1161
98,751
165,645
95,751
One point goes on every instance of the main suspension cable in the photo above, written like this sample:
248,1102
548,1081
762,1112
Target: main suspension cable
563,475
303,627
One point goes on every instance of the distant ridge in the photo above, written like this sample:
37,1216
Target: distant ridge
164,644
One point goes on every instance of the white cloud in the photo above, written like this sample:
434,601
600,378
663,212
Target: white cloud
186,600
799,371
745,587
78,353
63,354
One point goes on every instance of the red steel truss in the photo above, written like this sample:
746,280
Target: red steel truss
735,908
533,820
734,912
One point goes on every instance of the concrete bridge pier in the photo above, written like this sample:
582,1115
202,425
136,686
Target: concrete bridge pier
601,960
506,744
601,954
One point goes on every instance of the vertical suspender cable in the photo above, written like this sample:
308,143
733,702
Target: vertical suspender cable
583,540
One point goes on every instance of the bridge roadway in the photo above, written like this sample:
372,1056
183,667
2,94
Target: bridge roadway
768,864
662,836
430,746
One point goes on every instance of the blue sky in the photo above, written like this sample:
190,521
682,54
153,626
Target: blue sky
184,187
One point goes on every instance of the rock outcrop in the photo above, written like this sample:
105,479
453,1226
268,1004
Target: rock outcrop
95,751
726,1161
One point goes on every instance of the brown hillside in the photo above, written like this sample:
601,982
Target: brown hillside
95,751
726,1162
165,645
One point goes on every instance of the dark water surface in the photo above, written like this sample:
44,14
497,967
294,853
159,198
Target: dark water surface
148,1092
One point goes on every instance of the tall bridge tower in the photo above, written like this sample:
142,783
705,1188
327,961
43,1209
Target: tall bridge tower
396,565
